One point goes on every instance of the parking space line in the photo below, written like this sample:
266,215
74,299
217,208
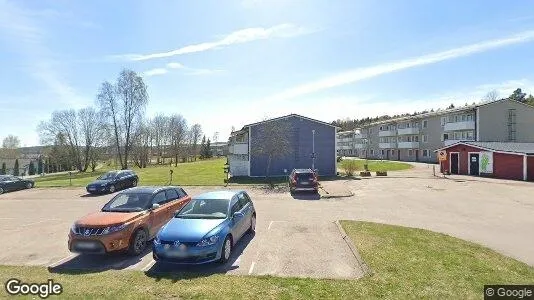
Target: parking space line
251,267
64,259
150,264
271,224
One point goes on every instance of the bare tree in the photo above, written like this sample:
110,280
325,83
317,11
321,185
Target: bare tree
178,135
10,145
195,133
142,138
159,126
63,123
272,142
491,96
215,137
93,131
124,105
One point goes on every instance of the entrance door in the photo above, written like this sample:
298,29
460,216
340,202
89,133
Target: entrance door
473,163
416,155
454,163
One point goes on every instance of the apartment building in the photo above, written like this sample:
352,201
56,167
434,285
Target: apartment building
415,138
350,143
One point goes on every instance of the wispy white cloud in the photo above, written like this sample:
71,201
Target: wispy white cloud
390,67
237,37
178,66
21,31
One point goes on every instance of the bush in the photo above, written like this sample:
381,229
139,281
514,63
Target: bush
349,166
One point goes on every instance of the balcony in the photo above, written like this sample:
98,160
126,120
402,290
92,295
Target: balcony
238,148
464,125
387,145
359,146
360,135
411,130
387,133
408,145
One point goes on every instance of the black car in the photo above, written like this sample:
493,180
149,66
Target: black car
303,180
10,183
113,181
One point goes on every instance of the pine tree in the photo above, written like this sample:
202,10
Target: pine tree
208,149
3,169
31,168
40,166
16,168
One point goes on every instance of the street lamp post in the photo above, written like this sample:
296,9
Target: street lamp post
313,150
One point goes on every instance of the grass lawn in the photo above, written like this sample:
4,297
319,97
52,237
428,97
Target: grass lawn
406,263
376,165
201,172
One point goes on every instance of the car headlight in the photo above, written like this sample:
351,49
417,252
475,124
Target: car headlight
112,229
73,229
103,185
157,241
208,241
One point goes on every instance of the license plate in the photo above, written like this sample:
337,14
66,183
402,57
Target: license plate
176,254
91,189
85,245
304,182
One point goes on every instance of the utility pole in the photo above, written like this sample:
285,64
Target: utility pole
313,150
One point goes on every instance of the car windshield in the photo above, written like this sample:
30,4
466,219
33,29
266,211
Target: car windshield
205,209
107,176
128,202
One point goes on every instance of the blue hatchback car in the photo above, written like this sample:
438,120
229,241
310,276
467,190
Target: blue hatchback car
206,229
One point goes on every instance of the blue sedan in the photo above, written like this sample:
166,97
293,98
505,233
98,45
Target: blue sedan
206,229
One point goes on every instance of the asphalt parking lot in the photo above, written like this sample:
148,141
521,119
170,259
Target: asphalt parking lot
294,236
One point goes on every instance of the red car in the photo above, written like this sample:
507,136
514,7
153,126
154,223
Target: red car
303,180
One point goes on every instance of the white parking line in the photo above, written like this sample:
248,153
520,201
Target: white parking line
251,268
57,263
147,267
271,224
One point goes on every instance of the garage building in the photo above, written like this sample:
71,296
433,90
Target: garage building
504,160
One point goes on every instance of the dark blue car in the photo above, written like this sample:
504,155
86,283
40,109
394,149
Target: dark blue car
206,229
113,181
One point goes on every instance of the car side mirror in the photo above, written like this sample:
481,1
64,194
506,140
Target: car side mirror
237,215
155,206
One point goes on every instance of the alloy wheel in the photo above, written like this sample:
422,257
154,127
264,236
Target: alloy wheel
140,241
29,185
227,249
112,189
1,191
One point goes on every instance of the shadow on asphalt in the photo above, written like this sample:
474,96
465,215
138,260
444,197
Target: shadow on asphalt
176,272
92,195
95,263
306,196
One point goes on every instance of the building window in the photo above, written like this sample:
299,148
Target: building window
425,153
425,123
443,121
470,135
416,138
381,128
372,152
410,152
382,152
424,137
464,118
470,117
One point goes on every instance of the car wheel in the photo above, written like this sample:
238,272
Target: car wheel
226,250
1,191
252,227
112,189
138,242
29,185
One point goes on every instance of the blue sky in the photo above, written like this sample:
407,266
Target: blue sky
228,63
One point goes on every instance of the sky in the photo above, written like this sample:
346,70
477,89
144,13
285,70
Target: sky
225,64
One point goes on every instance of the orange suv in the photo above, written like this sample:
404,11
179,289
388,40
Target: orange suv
127,221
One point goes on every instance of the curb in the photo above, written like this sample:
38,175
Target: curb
337,196
365,268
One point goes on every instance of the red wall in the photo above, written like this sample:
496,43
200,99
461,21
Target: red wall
530,169
464,157
508,166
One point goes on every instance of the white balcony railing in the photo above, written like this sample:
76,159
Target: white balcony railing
411,130
387,145
239,148
387,133
408,145
359,146
464,125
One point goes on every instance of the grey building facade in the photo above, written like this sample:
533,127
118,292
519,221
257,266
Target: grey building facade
305,136
415,138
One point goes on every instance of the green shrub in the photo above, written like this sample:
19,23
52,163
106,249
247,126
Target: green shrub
349,166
